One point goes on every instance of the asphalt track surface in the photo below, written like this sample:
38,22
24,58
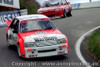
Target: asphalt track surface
73,27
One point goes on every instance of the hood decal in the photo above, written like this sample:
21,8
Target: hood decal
45,39
46,33
40,32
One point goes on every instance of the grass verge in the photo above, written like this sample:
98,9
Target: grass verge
94,44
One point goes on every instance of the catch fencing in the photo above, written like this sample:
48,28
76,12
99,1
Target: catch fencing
85,5
8,16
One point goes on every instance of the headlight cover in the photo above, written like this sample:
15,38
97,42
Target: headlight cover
61,41
39,12
30,44
57,9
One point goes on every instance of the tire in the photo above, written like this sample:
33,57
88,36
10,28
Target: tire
18,50
8,44
69,14
64,14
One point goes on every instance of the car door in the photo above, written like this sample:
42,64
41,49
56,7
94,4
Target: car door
14,29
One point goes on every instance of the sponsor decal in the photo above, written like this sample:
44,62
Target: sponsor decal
35,55
8,16
45,39
61,52
76,6
41,32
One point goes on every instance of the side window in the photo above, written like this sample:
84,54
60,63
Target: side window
11,26
15,25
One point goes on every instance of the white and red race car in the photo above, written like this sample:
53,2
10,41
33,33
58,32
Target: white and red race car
36,36
55,8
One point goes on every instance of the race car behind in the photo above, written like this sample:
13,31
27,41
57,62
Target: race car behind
55,8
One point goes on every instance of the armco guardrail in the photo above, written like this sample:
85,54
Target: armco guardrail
85,5
8,16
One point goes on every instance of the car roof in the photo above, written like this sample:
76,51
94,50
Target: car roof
34,16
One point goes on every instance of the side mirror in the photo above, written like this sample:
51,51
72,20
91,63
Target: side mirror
8,23
15,31
68,3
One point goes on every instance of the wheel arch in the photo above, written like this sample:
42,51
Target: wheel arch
22,47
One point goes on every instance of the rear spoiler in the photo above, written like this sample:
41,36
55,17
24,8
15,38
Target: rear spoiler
8,23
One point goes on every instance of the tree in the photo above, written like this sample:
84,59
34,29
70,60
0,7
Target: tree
22,4
31,5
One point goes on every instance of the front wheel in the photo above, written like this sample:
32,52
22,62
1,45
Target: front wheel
18,50
8,42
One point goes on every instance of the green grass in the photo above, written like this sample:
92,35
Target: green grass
94,44
22,4
31,10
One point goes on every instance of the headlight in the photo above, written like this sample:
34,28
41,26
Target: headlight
60,41
57,9
39,12
30,44
45,11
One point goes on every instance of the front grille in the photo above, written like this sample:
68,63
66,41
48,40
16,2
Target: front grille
50,11
43,51
46,43
51,15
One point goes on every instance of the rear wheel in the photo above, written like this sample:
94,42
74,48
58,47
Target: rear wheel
69,14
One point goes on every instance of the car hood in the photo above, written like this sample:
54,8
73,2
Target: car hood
50,8
30,36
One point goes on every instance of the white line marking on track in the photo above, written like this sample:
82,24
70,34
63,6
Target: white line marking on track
78,44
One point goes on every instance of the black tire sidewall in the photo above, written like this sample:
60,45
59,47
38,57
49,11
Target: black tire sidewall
18,50
64,14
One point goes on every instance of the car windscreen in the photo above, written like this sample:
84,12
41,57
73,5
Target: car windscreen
35,25
51,3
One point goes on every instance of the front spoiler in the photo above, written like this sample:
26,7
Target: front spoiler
43,51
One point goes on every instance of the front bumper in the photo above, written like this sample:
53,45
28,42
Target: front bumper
46,51
52,14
